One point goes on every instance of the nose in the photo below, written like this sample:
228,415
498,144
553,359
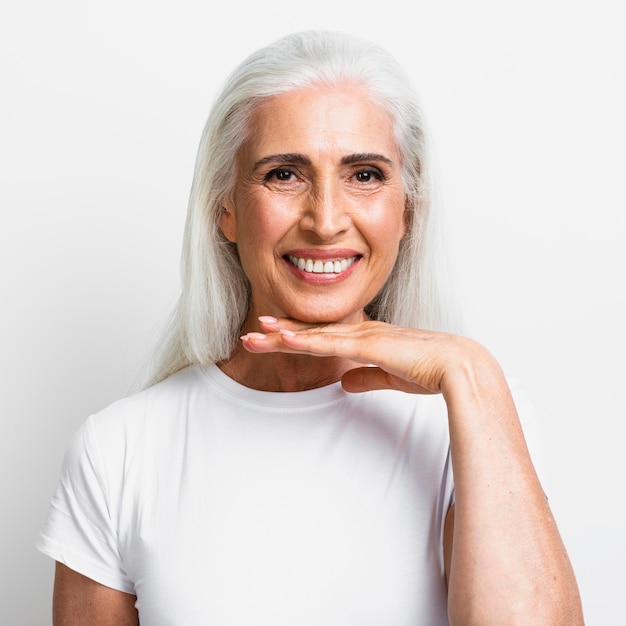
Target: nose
325,212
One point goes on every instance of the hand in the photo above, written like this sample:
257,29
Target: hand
504,558
406,359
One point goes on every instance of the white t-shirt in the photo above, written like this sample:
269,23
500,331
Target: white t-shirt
221,505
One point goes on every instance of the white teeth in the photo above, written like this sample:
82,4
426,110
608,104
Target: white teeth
321,267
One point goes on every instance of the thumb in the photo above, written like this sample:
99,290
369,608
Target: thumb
362,379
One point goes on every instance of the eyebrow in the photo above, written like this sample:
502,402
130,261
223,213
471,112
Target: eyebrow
290,157
301,159
365,156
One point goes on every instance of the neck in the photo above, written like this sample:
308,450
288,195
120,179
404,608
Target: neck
283,372
280,371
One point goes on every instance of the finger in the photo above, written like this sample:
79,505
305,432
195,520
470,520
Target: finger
270,342
273,324
370,343
262,342
320,341
276,324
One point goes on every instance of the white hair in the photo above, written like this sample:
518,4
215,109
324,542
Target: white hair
215,292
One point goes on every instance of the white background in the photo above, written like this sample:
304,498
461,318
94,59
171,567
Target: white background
101,109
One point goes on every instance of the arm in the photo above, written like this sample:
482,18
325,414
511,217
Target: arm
80,601
505,561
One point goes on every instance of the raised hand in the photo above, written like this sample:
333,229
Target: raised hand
406,359
501,542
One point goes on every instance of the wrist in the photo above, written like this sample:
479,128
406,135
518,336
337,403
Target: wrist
472,371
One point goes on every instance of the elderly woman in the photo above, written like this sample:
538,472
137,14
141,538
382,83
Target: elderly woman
319,446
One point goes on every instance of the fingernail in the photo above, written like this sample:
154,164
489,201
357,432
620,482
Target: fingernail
253,336
288,333
267,319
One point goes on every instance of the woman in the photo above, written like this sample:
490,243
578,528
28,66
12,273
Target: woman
248,485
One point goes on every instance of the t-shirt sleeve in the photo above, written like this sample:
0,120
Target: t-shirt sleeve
79,530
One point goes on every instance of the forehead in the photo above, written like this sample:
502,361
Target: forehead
319,119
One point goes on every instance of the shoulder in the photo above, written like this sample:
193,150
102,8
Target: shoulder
150,416
132,433
167,399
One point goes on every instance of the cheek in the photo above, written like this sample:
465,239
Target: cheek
387,229
249,218
259,231
261,226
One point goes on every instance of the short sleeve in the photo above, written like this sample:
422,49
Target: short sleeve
79,530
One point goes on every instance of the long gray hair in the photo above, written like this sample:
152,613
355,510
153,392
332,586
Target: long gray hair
215,293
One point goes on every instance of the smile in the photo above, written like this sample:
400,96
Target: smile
322,267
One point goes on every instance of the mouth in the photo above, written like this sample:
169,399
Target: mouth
317,266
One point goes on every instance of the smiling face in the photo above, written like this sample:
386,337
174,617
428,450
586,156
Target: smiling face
318,210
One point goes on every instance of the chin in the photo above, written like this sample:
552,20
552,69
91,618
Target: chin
332,317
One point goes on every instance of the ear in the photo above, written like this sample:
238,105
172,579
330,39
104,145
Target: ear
227,221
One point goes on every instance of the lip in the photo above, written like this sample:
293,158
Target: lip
317,254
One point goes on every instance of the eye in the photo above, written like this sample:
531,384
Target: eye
284,179
281,175
369,175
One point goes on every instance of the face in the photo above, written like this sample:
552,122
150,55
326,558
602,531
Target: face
318,210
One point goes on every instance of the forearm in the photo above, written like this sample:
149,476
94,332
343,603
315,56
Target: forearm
508,563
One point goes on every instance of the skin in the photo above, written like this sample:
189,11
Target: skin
505,561
321,178
80,601
504,558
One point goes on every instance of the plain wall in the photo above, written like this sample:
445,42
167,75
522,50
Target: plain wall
101,109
